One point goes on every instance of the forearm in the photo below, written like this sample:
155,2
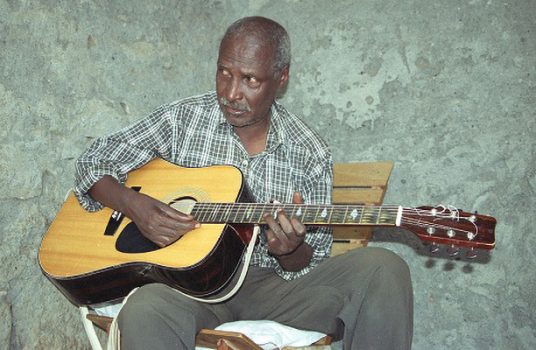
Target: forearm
109,192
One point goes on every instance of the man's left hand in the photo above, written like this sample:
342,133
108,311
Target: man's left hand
284,235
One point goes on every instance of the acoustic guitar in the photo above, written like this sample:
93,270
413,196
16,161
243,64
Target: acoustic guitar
101,256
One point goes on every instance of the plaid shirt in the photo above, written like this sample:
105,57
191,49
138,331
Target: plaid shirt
194,133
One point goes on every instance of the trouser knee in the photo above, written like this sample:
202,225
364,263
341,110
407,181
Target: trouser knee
141,308
388,267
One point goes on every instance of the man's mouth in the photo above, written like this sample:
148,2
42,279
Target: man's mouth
234,111
233,107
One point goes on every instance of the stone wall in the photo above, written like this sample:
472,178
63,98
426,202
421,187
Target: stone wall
445,89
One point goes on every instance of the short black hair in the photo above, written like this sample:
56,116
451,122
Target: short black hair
267,30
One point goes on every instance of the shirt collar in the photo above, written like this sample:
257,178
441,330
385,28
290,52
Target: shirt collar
276,135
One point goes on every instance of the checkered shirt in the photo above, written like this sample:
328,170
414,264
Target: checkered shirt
193,132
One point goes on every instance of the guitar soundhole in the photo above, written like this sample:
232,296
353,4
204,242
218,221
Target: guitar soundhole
132,241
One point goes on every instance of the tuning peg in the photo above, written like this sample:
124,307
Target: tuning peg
453,251
471,254
434,248
472,218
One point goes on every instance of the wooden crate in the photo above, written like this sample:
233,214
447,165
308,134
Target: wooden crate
362,183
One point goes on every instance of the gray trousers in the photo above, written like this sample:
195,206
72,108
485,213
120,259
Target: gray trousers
364,297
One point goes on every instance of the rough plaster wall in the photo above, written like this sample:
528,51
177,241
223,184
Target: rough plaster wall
443,88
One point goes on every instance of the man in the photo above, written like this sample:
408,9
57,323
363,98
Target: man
364,296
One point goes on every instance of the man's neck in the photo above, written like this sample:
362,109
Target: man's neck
254,137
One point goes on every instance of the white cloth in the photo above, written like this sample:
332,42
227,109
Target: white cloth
271,335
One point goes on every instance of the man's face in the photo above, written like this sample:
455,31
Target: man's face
245,83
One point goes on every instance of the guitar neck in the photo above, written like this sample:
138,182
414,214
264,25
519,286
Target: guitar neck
252,213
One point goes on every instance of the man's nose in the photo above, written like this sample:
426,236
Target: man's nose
233,90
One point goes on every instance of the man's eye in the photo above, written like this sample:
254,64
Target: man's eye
224,72
252,80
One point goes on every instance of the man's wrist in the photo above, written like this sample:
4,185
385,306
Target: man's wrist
297,259
127,196
278,256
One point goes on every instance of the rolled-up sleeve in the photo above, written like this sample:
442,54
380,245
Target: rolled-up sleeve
119,153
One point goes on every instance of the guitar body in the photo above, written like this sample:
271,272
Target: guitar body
90,267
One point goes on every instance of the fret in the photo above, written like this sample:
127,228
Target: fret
388,217
214,214
236,209
285,208
335,215
292,212
207,213
288,209
371,215
226,212
345,214
260,213
304,214
330,214
315,218
200,213
243,210
222,214
368,216
379,215
247,214
196,214
309,215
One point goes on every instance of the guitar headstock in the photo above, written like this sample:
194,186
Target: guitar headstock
450,226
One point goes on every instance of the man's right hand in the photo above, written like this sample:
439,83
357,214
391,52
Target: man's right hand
157,221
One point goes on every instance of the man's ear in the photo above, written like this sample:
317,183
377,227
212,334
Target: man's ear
283,82
283,79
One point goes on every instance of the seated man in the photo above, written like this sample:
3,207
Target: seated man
363,297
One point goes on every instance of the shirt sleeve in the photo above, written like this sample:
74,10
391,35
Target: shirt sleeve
317,189
117,154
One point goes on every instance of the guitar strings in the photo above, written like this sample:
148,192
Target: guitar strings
378,212
239,208
259,209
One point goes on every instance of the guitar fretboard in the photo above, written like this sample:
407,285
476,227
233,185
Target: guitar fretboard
252,213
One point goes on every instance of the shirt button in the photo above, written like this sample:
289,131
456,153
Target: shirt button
245,163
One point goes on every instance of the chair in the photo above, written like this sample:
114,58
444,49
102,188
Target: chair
358,183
